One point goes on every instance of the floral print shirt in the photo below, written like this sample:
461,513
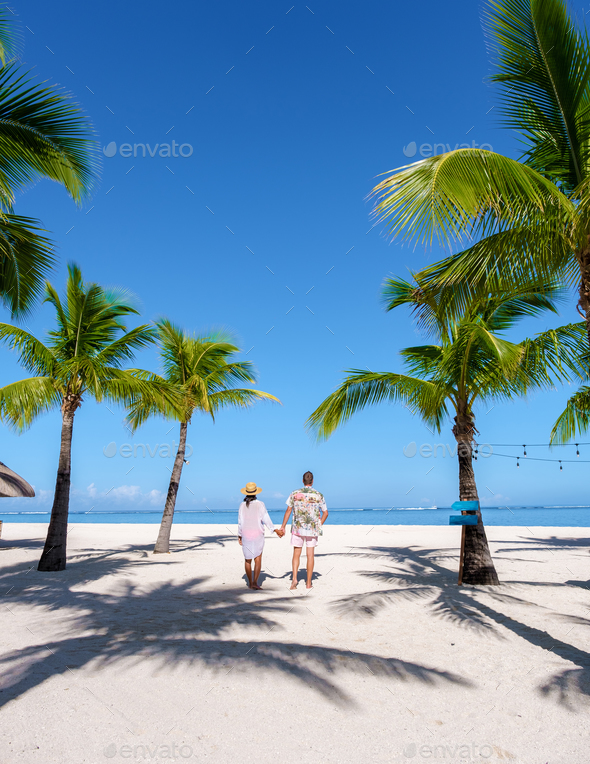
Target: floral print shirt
307,505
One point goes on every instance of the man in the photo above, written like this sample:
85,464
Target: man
309,514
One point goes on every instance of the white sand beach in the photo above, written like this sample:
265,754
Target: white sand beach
127,655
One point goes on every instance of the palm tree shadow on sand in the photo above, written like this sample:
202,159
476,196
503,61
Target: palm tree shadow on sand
134,622
418,574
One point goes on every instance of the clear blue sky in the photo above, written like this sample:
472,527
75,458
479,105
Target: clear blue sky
265,229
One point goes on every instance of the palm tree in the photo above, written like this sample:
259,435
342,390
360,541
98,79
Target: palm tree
470,363
203,370
81,358
529,218
43,134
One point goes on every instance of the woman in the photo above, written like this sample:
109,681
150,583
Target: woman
252,519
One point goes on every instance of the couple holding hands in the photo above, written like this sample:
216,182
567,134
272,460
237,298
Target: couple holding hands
309,514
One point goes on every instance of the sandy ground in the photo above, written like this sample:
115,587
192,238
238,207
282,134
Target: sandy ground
127,655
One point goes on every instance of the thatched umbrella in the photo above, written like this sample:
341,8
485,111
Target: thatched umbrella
12,485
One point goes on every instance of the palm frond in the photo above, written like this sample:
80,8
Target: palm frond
136,387
23,401
90,317
423,360
26,257
530,301
505,353
575,419
159,398
466,193
43,134
361,389
543,62
396,292
10,36
125,347
34,355
238,398
514,263
231,373
556,355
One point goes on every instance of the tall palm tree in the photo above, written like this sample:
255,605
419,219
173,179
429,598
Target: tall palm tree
470,363
528,218
203,370
43,134
82,358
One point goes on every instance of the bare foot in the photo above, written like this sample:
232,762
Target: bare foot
293,585
309,587
256,586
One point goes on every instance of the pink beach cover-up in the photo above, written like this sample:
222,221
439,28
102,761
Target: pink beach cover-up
252,521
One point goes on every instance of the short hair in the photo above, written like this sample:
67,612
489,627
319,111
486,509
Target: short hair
307,478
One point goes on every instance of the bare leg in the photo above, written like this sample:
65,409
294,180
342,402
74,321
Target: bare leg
257,568
310,558
296,558
248,567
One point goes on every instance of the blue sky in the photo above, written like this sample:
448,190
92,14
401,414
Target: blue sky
288,114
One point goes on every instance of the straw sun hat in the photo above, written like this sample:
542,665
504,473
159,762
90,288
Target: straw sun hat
250,489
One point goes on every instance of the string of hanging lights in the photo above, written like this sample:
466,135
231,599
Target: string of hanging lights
544,445
539,445
524,446
538,459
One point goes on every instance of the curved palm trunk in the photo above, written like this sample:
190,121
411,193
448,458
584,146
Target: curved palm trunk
54,552
163,541
584,290
478,566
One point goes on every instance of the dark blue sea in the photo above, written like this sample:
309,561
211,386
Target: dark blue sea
573,516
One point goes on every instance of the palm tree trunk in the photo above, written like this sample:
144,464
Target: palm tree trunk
584,291
163,541
54,552
478,566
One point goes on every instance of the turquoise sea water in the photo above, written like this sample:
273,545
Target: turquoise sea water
534,515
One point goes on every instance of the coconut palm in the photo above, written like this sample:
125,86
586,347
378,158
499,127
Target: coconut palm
470,363
43,134
81,358
203,370
523,218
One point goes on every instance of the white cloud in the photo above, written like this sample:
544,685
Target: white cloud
494,501
91,490
155,496
278,495
42,496
134,494
124,493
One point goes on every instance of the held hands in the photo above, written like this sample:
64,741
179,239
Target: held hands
280,532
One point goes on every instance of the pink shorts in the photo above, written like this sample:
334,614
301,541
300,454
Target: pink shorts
297,541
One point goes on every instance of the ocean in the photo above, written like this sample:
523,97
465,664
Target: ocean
564,516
